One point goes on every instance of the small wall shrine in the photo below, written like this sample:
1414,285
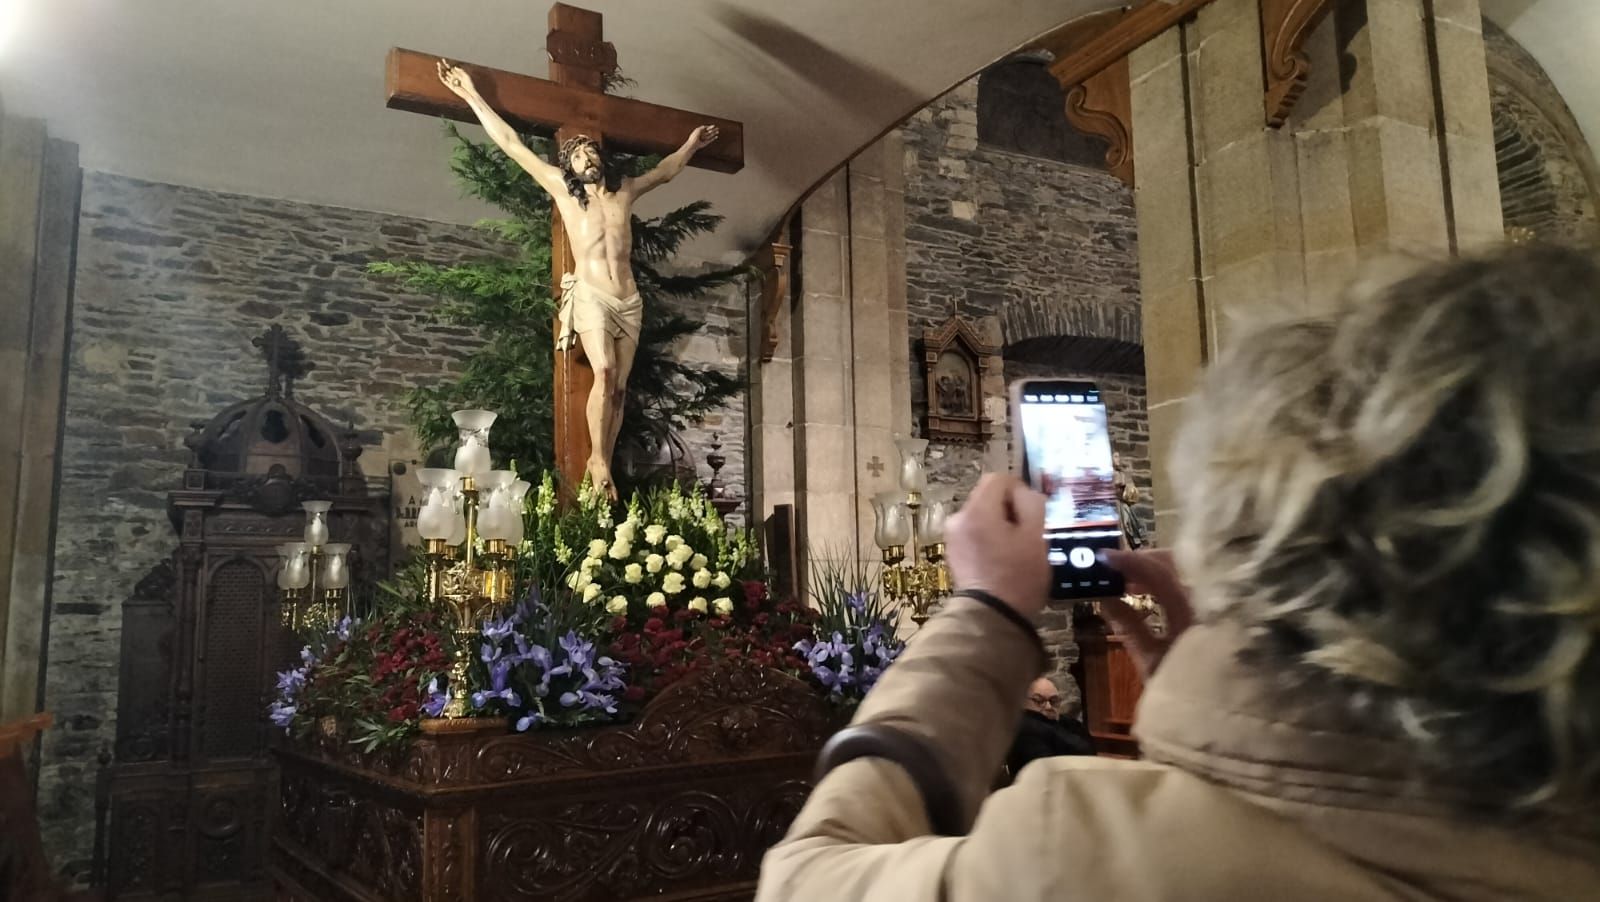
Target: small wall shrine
956,362
186,801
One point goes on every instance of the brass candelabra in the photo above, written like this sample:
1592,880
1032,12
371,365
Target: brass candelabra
314,576
471,525
910,535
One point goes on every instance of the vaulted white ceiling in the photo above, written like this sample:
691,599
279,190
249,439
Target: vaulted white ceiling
284,98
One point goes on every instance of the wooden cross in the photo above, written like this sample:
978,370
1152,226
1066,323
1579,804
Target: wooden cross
571,102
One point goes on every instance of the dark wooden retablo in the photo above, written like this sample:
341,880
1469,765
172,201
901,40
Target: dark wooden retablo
679,804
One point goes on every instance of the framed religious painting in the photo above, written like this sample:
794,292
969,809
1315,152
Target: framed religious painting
955,362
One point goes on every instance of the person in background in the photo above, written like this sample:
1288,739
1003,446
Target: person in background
1380,674
1046,730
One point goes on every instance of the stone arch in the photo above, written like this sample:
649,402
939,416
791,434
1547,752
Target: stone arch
1549,178
1024,319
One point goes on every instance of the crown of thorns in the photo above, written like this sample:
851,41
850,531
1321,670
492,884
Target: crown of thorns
571,145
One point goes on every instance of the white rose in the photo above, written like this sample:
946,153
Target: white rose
702,579
673,542
653,563
572,579
699,604
699,562
654,533
591,592
673,584
597,547
580,580
626,530
656,600
679,556
590,564
722,580
617,605
724,606
633,574
620,550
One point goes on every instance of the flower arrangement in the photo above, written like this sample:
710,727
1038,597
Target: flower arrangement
855,630
619,603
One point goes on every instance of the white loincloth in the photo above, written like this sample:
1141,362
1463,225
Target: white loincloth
585,308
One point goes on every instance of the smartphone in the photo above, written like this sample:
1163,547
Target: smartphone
1063,448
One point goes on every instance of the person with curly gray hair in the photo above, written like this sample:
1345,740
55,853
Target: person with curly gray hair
1380,676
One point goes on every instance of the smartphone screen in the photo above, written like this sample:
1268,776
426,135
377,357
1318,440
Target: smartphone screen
1065,450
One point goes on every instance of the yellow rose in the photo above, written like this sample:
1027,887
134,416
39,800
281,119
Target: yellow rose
673,584
722,580
633,574
724,606
702,579
653,563
617,605
654,533
597,547
699,604
656,600
699,562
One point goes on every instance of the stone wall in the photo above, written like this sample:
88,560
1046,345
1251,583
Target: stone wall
1046,247
1029,248
172,284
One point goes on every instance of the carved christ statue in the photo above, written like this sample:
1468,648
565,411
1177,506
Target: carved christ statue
600,305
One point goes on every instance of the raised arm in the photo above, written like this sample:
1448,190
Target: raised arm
500,132
673,163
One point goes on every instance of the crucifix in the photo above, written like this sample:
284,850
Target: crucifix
591,232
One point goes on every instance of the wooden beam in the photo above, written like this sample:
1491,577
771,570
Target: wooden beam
1285,25
1103,106
541,106
1138,27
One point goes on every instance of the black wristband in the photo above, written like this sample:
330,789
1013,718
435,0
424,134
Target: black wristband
1004,610
940,802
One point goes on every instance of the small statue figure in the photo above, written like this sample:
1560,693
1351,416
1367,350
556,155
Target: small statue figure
1128,495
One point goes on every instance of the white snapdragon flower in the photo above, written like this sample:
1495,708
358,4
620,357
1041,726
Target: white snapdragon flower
722,580
597,547
698,562
563,554
617,605
698,604
654,563
654,533
656,600
702,579
723,606
672,584
591,592
633,574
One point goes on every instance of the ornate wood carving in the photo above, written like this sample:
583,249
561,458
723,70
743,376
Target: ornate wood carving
775,262
1103,106
1285,25
682,802
1132,31
954,362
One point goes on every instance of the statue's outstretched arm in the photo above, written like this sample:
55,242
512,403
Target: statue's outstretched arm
500,132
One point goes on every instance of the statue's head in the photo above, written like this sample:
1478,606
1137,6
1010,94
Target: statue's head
583,163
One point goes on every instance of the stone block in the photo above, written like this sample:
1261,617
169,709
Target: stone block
1464,82
822,258
869,271
1389,54
1225,76
1160,51
1164,422
823,391
824,210
1467,14
1475,193
1174,342
1396,189
1236,204
1324,187
1328,273
826,453
830,521
867,213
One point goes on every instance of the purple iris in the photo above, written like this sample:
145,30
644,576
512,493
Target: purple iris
499,687
437,699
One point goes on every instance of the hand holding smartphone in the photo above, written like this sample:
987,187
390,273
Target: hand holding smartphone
1063,448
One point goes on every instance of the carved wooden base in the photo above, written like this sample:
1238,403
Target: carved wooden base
682,803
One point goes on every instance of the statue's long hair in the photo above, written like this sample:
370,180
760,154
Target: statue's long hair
575,186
